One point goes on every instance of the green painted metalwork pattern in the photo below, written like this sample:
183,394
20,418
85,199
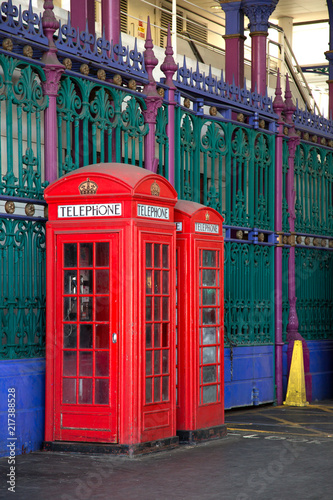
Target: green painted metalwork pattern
285,168
249,294
314,292
21,113
22,301
107,121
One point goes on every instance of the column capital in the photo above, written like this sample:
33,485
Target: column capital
258,12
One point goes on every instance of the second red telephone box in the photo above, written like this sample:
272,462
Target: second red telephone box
200,381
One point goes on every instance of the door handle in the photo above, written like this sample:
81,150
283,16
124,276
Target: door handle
114,338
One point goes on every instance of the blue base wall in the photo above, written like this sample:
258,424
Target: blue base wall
27,376
249,377
321,368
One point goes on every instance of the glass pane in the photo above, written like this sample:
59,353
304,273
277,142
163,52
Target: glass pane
209,335
70,282
148,336
70,255
102,277
157,308
149,366
148,308
86,336
165,308
86,281
165,388
157,335
86,363
69,363
208,355
157,258
149,397
208,258
102,308
165,334
208,277
165,361
85,391
209,316
208,296
148,254
102,363
209,374
165,284
209,394
102,336
101,391
148,282
70,336
157,281
165,256
86,254
69,390
157,362
102,254
86,309
157,389
70,308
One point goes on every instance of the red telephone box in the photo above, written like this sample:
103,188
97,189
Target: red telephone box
200,380
110,309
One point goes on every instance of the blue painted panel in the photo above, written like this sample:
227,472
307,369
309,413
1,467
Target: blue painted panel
249,377
27,376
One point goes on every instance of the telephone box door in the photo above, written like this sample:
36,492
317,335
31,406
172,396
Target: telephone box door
87,337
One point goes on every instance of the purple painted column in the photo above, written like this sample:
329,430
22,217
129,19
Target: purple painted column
292,328
234,42
111,19
278,106
258,11
169,67
153,101
53,71
83,12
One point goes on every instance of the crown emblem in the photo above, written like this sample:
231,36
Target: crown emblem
155,189
207,216
88,187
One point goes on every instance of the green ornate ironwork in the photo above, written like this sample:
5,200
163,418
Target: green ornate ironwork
109,122
22,301
285,167
21,112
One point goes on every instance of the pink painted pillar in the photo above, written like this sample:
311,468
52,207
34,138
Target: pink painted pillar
258,12
83,12
111,19
169,67
53,71
234,42
153,101
278,106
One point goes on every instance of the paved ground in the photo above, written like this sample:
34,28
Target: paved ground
269,453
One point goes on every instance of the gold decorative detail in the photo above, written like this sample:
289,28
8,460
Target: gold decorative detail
88,187
67,63
330,143
330,244
29,209
323,242
10,207
240,118
306,136
160,91
261,237
131,84
279,238
298,133
46,212
207,216
213,111
292,240
323,141
7,44
84,69
285,130
299,240
28,51
316,242
262,123
117,80
155,189
101,75
239,234
314,138
307,240
187,102
285,240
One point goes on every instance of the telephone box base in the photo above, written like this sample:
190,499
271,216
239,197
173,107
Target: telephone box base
130,450
199,435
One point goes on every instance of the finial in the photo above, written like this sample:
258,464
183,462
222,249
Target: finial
169,67
150,62
278,104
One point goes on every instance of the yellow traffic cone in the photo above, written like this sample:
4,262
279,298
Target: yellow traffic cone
296,395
